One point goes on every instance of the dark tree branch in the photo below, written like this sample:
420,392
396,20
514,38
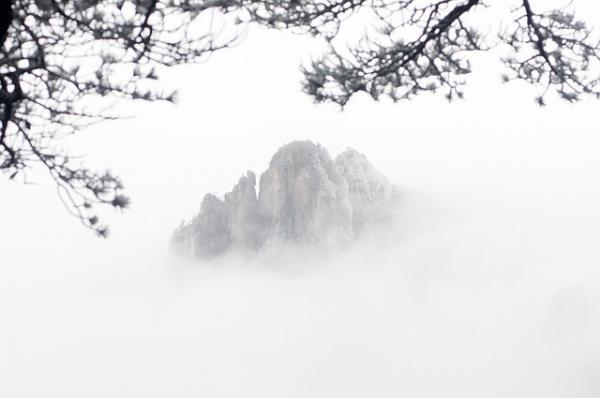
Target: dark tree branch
6,15
401,68
553,50
55,55
59,54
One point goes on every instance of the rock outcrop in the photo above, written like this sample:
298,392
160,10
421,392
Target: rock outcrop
370,193
304,197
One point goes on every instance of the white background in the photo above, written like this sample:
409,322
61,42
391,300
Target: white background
486,286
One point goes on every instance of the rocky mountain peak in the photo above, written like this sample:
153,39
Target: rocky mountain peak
304,197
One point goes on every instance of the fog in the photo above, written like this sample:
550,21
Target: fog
485,284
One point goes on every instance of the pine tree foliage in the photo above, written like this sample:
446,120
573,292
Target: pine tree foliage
56,54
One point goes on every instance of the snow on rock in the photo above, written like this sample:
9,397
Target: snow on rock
305,197
369,191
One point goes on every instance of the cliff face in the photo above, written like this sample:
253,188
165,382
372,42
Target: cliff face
369,191
247,226
304,197
209,233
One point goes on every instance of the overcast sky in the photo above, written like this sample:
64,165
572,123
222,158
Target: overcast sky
487,285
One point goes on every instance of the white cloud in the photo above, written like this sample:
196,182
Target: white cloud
465,297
